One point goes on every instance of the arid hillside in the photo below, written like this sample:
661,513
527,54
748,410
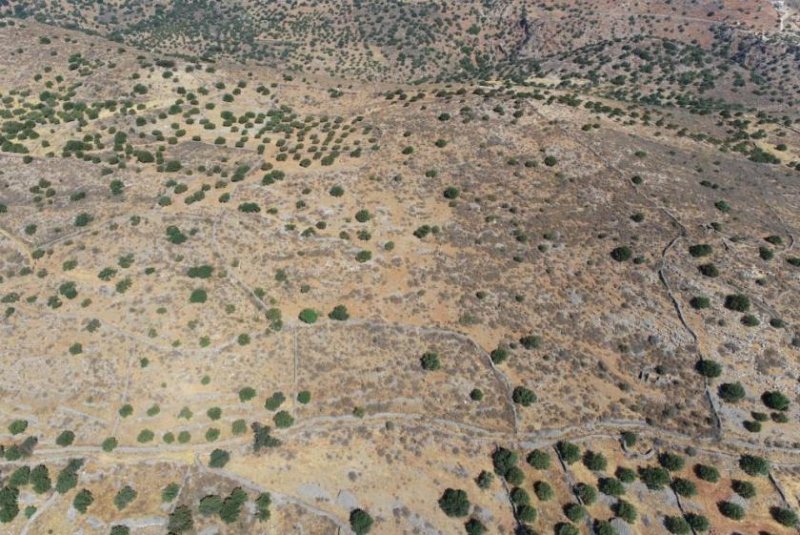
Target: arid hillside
319,289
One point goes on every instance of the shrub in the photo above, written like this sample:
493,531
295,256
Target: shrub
124,497
232,506
9,505
737,302
626,475
543,491
569,452
621,254
363,256
219,458
783,516
603,527
731,510
706,473
684,487
563,528
574,511
525,513
654,477
499,355
246,394
249,208
754,465
745,489
83,219
676,525
198,296
731,392
430,361
210,505
519,496
360,521
454,502
586,493
362,216
594,461
708,270
671,461
611,486
503,460
700,302
625,510
722,206
83,499
308,315
702,249
339,313
697,522
550,161
484,479
200,272
451,193
65,438
18,426
523,396
262,503
775,400
180,520
304,397
708,368
473,526
274,401
283,419
628,438
531,341
40,479
538,459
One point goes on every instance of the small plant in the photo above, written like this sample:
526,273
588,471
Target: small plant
784,517
569,452
124,497
523,396
700,250
622,254
430,361
339,313
737,302
754,465
745,489
283,419
538,459
708,368
731,392
360,521
706,473
731,510
451,193
775,400
219,458
671,461
308,315
454,502
543,491
677,525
